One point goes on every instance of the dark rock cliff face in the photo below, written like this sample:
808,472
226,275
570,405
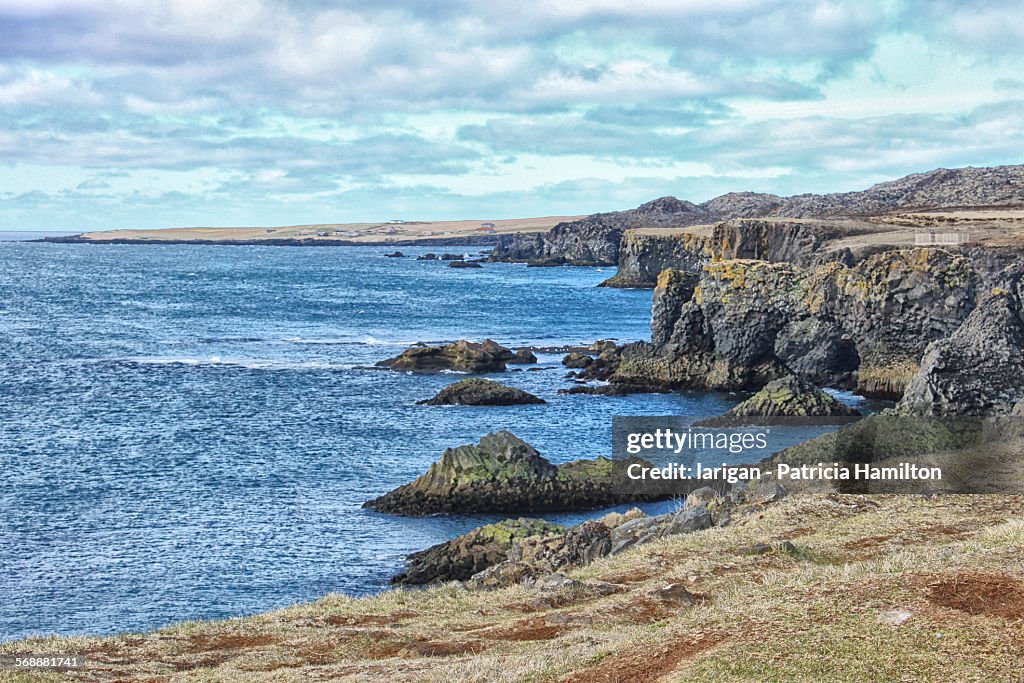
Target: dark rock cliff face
594,240
643,256
748,322
979,369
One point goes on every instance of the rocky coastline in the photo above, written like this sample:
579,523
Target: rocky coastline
529,551
602,239
776,306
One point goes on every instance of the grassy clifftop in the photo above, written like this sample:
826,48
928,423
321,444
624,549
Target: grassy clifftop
872,588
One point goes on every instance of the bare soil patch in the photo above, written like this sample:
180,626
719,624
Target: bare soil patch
990,595
642,664
530,629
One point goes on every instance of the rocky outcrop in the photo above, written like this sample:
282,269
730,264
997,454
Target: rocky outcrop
533,552
577,360
464,264
522,357
979,369
536,556
643,256
594,240
789,396
462,356
471,553
597,362
737,329
599,239
481,392
504,474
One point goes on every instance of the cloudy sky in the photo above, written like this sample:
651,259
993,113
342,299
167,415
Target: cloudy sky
156,113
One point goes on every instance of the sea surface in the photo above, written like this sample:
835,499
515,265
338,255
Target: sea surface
189,432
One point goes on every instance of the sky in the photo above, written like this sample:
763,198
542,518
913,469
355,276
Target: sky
164,113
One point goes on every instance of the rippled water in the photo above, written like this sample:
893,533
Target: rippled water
186,432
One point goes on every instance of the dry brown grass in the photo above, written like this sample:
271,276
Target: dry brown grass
368,233
950,567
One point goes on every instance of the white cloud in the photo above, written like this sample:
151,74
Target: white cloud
467,100
36,87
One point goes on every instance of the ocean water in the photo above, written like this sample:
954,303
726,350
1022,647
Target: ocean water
189,432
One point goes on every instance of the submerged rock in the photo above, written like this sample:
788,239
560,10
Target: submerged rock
481,392
464,264
471,553
503,473
396,254
615,389
462,356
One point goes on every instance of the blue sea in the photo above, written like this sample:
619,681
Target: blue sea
188,432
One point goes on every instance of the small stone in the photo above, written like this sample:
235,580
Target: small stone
556,581
895,617
688,520
705,496
766,491
523,357
674,594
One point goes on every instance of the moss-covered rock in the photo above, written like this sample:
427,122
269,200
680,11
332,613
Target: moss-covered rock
790,396
473,552
504,474
481,392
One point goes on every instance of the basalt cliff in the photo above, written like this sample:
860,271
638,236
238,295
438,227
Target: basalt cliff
933,329
908,291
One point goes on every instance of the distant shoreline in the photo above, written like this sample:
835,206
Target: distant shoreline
467,240
393,233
